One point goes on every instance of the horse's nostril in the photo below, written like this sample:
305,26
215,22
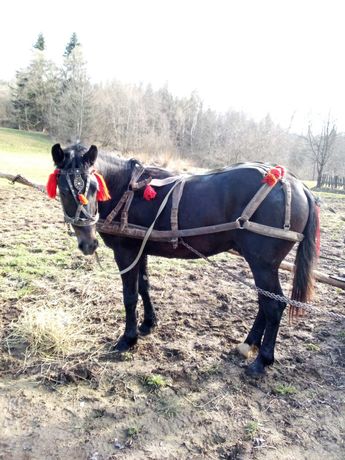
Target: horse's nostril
88,248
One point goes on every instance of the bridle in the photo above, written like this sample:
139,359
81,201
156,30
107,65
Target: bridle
76,187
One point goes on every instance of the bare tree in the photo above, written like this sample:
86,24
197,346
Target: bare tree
322,147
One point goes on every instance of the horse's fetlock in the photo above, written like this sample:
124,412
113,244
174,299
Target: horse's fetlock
266,358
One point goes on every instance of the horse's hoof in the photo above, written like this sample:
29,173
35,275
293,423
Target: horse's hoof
255,370
244,349
146,327
125,344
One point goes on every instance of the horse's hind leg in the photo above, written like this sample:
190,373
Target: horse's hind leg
267,278
144,285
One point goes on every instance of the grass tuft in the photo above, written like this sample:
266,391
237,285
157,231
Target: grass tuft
251,429
284,390
46,332
155,381
312,347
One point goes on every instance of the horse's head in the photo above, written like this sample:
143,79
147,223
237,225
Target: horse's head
79,188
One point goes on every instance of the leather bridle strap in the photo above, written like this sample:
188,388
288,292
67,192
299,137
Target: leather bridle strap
77,220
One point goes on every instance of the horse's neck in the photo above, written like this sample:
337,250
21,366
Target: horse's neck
115,172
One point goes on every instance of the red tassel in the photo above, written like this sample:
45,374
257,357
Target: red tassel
82,198
103,192
149,193
270,179
273,175
52,184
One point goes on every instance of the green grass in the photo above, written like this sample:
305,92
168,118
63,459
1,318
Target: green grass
132,432
155,381
25,153
322,194
251,429
309,183
330,195
312,347
283,390
14,140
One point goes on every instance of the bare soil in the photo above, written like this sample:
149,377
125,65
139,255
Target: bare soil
96,405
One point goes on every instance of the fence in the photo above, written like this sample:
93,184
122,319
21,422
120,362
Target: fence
333,182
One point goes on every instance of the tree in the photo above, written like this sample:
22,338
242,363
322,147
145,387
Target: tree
73,109
321,147
40,43
34,93
71,45
6,115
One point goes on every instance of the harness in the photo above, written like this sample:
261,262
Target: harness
243,222
79,186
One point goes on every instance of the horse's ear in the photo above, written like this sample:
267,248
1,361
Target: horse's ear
58,154
90,156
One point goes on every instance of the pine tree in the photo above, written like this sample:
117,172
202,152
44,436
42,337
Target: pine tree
40,43
34,93
71,45
73,111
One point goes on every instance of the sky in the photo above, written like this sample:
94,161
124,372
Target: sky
285,58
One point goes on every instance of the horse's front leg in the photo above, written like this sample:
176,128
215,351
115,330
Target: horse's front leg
130,298
150,319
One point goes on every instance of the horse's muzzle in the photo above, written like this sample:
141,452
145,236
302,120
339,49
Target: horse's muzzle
88,247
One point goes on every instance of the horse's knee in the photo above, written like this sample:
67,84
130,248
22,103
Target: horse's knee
130,299
144,284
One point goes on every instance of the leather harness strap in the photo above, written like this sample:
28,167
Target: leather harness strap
242,222
287,191
255,202
177,194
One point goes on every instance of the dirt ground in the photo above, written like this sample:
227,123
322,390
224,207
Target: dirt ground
182,392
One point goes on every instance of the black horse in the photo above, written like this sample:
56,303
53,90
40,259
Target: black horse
207,200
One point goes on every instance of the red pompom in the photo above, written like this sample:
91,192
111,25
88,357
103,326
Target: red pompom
273,175
52,184
103,192
282,171
149,193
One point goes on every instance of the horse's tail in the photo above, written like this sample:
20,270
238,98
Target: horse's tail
307,253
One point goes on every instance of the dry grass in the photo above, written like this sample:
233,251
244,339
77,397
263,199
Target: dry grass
47,332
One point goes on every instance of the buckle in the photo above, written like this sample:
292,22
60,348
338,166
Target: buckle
241,221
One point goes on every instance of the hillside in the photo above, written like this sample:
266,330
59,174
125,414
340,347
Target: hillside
25,153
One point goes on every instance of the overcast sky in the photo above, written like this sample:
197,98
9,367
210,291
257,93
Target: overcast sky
286,58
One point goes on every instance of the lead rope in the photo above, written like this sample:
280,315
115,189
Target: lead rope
149,230
271,295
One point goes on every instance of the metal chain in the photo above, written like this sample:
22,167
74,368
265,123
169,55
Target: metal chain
271,295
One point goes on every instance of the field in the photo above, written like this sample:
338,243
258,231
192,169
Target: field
25,153
181,393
